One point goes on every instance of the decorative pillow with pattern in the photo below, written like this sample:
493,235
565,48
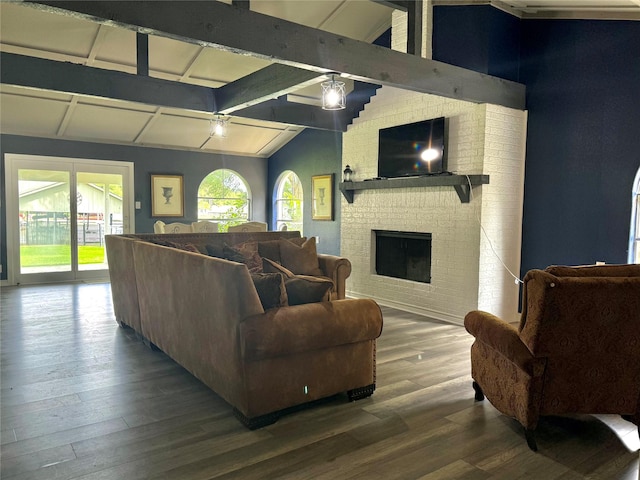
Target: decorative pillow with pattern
246,253
188,247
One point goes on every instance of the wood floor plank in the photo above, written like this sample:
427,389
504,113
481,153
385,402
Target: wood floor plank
81,398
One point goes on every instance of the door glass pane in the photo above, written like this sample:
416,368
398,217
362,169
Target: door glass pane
44,216
99,204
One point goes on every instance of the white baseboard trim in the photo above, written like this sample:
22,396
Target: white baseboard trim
434,314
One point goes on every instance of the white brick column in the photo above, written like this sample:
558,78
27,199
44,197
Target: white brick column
466,274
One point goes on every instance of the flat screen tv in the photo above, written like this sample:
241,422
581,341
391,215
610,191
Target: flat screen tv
413,149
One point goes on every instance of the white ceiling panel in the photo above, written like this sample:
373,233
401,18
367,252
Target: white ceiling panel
176,131
27,115
243,138
44,31
373,20
102,123
116,46
171,56
219,67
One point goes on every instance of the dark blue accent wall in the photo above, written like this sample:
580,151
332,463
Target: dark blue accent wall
192,164
583,142
583,133
480,38
312,152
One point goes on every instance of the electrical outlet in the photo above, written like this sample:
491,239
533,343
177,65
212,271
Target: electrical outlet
317,240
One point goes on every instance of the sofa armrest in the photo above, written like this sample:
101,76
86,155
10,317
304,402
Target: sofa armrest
312,326
337,269
503,338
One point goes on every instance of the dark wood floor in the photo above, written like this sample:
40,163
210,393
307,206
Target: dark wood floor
83,398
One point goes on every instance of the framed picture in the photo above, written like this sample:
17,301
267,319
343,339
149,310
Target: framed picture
167,196
322,188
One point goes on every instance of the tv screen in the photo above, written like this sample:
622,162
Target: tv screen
413,149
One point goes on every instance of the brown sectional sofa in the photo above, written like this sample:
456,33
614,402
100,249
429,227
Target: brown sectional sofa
206,314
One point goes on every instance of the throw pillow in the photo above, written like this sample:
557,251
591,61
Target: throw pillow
269,266
301,260
271,248
246,253
215,251
303,289
188,247
271,289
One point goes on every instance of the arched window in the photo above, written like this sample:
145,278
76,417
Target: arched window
287,204
223,197
634,235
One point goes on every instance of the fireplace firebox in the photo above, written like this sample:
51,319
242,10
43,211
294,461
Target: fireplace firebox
404,255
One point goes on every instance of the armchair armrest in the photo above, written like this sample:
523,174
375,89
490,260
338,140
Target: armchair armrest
337,269
504,338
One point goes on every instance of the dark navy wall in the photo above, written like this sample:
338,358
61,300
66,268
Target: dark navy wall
583,141
312,152
480,38
193,165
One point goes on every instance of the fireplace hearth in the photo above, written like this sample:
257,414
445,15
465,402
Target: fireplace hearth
405,255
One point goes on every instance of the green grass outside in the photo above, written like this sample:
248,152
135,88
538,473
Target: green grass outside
54,255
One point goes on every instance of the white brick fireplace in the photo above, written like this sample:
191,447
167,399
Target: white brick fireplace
466,273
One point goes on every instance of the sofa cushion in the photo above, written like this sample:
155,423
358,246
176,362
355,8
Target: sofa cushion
215,250
301,289
271,266
246,253
271,289
188,247
271,248
301,260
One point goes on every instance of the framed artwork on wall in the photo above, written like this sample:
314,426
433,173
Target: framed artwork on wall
322,191
167,196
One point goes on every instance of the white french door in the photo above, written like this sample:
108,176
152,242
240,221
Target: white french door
58,212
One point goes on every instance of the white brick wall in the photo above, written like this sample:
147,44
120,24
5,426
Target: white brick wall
399,30
465,273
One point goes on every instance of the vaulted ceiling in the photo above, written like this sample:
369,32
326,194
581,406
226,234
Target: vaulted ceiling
75,73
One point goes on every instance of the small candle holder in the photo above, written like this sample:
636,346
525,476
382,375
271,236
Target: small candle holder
347,174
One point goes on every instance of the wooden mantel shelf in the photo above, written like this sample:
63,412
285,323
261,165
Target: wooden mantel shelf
459,182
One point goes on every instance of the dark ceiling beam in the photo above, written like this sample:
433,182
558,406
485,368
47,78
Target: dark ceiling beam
142,54
281,111
414,28
237,30
265,84
42,74
246,4
74,79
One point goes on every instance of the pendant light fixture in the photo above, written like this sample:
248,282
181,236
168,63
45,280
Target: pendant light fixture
218,127
333,94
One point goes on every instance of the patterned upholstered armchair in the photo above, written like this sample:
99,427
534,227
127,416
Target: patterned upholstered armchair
576,350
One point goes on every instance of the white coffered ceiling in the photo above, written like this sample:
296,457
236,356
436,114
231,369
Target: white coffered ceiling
32,32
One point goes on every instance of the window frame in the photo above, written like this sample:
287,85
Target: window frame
225,222
634,230
279,220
